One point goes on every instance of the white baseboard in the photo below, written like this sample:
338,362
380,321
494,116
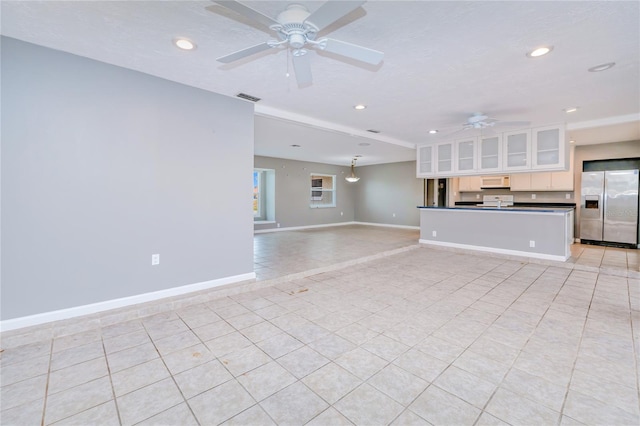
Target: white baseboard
297,228
496,250
329,225
387,225
93,308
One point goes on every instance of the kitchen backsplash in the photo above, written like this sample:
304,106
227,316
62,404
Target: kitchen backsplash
519,197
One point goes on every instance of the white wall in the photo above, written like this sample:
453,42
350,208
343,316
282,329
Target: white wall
104,166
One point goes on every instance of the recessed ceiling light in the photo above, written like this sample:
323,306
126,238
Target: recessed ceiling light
540,51
364,144
602,67
360,106
184,43
572,109
572,141
433,131
295,146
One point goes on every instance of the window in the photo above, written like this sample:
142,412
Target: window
323,191
264,181
257,192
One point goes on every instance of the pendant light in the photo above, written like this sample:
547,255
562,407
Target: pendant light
353,177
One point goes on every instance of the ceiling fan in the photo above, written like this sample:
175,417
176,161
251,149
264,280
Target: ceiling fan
297,29
480,121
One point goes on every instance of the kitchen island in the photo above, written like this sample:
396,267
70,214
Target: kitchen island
534,232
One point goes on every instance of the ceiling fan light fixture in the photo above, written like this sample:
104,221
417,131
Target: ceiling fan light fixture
539,51
602,67
184,43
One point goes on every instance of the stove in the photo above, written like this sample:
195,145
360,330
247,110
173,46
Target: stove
497,201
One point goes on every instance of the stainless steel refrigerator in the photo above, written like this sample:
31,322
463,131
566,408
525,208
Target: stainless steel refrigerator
609,207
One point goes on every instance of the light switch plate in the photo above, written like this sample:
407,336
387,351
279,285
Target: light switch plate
533,196
155,259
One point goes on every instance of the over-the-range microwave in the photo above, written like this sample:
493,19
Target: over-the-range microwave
494,182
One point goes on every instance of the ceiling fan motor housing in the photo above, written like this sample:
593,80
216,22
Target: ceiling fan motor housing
292,26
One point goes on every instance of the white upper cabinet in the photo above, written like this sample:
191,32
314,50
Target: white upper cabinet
517,150
466,158
490,154
539,149
549,148
425,161
444,158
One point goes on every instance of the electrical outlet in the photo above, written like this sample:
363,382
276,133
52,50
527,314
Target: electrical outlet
567,196
532,243
155,259
277,224
477,196
533,196
433,233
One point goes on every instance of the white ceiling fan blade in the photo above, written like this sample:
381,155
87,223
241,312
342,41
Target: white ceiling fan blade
302,69
244,53
354,51
247,12
330,12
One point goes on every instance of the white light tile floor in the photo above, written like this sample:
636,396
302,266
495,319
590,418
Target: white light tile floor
423,336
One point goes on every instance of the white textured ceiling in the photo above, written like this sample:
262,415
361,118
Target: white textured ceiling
443,61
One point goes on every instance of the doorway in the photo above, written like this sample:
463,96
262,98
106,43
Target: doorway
435,192
442,192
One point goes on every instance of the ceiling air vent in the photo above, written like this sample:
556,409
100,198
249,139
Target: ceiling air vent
247,97
373,131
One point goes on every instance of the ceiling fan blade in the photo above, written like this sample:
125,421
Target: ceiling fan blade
354,51
244,53
330,12
302,69
247,12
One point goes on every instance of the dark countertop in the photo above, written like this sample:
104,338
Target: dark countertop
520,204
544,209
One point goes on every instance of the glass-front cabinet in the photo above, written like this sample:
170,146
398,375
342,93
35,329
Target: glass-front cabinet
444,157
490,154
548,148
543,149
425,161
466,158
517,150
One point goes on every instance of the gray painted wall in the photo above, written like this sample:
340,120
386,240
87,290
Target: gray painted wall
104,166
292,193
507,230
385,189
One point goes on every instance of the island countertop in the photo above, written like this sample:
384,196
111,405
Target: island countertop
547,209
